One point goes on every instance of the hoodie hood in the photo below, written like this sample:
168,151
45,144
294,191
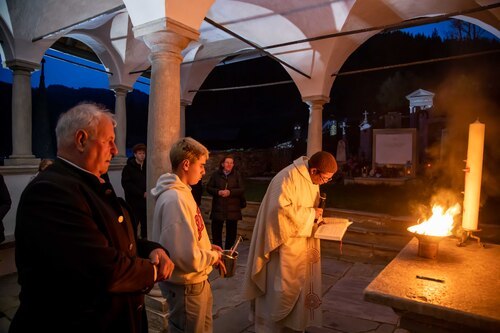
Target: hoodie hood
302,166
169,181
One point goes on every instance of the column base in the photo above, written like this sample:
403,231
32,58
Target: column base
21,160
157,310
119,160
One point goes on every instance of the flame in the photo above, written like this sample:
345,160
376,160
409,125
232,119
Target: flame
439,224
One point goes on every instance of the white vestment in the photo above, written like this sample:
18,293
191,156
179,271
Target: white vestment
283,274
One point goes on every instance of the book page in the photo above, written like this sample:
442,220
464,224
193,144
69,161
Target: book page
333,229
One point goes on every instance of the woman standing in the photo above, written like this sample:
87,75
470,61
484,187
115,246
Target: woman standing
226,187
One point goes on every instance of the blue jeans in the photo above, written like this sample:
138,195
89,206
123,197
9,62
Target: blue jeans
190,307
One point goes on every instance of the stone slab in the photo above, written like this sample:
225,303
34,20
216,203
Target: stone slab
460,286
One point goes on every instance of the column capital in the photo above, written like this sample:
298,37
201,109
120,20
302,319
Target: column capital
166,42
18,64
186,102
148,30
121,89
315,100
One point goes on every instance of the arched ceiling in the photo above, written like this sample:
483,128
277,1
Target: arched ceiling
293,32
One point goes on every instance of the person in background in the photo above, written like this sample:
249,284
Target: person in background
226,187
283,273
79,265
5,204
178,225
197,191
134,186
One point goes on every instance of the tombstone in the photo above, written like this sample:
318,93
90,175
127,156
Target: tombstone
342,144
343,126
365,138
421,101
395,149
341,152
333,128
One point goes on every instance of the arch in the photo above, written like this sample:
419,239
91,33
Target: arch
195,70
190,73
483,24
7,45
119,52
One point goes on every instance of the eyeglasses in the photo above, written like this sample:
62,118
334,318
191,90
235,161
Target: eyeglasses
323,179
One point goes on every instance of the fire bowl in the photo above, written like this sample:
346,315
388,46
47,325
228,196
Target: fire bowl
428,245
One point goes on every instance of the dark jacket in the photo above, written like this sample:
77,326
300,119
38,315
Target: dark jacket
197,191
134,186
226,208
79,268
5,203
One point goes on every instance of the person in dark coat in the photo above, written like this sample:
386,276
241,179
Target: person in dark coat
5,203
226,187
79,265
134,186
197,191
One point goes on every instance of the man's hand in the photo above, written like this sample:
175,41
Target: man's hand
163,263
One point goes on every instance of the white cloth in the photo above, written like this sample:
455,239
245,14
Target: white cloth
178,226
283,274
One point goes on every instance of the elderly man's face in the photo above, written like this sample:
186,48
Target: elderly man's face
101,148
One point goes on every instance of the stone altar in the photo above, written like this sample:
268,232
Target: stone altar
456,292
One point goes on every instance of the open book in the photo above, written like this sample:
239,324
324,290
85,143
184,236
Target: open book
333,229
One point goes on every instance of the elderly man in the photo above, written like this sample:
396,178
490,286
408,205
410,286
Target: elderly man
80,267
283,274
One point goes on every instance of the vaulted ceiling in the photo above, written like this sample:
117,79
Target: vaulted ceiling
311,39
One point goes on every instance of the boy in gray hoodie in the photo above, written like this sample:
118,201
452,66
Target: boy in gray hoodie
179,227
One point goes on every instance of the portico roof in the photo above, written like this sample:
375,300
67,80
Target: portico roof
311,39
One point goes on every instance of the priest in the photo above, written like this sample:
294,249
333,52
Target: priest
283,274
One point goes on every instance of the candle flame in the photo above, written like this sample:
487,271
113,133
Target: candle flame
439,224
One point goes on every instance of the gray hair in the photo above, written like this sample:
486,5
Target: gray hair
84,116
186,149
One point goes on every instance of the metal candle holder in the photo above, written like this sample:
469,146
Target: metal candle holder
428,245
466,234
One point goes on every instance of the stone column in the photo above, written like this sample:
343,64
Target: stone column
121,123
22,153
184,103
315,129
166,39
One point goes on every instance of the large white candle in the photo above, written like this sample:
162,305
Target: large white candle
473,172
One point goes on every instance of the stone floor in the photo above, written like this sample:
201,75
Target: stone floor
344,309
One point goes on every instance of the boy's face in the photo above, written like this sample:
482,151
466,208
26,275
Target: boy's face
140,156
196,170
